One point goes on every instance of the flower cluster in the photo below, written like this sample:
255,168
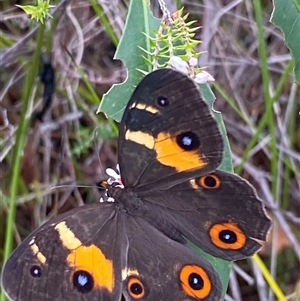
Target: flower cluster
174,46
179,64
38,12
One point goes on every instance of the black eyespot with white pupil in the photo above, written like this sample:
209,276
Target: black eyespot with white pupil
136,288
228,236
162,101
195,281
210,181
83,281
188,141
36,271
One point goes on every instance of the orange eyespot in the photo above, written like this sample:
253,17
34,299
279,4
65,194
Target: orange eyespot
195,281
135,288
209,182
227,236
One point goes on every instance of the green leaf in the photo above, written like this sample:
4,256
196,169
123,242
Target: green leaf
139,21
286,16
209,97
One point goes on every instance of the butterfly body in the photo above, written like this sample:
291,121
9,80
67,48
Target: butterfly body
135,248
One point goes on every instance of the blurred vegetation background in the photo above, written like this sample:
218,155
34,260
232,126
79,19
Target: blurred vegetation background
66,146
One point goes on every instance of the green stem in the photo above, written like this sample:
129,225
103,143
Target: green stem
264,120
268,116
19,146
105,21
262,49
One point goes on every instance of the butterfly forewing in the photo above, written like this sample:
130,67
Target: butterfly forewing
77,256
167,133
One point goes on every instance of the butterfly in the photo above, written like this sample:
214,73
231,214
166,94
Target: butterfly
171,192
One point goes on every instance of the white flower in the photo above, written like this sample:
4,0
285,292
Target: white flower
109,199
114,176
193,61
203,77
112,173
179,64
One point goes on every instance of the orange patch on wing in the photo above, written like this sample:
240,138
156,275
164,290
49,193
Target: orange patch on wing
171,154
168,152
91,259
88,258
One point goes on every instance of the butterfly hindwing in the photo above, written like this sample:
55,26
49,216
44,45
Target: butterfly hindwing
160,268
219,212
